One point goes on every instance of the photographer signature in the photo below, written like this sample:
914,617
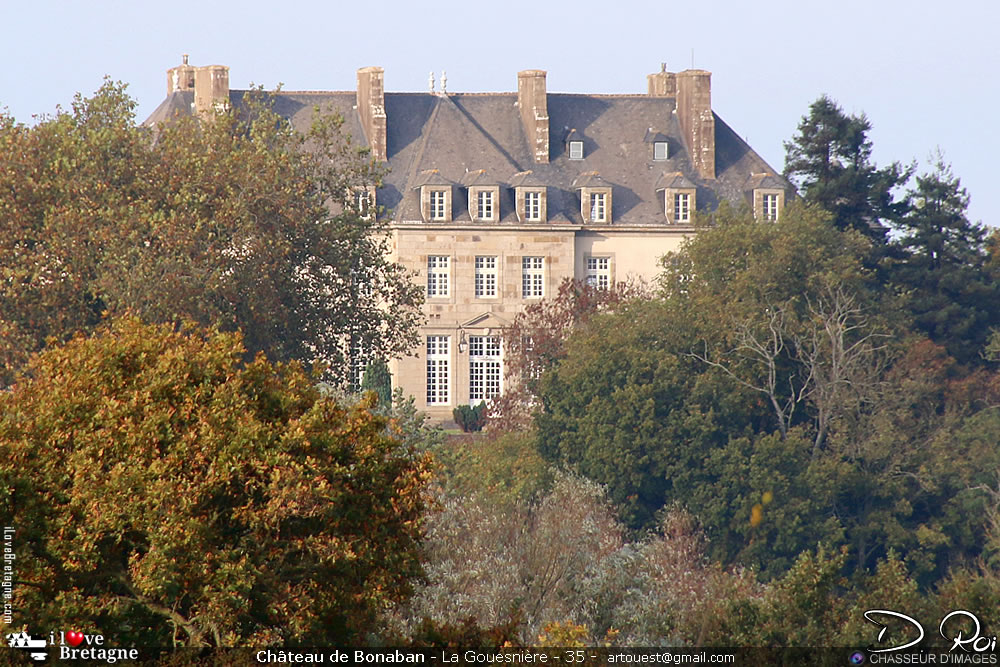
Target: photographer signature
974,642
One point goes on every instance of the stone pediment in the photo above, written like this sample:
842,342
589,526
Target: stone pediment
485,321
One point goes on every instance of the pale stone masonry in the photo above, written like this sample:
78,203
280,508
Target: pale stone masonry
493,199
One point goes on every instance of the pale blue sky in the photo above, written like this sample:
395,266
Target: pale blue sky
926,74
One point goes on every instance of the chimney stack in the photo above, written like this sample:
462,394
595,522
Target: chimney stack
532,100
211,89
663,83
694,110
371,108
180,78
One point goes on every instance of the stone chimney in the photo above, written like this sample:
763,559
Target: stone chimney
694,110
180,78
663,83
371,108
532,100
211,89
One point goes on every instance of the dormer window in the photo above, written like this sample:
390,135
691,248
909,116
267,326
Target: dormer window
576,150
435,196
769,205
767,195
483,196
485,205
529,197
679,203
439,201
598,207
659,150
682,207
533,206
595,198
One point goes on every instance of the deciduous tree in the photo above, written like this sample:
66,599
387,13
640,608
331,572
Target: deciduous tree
165,493
235,220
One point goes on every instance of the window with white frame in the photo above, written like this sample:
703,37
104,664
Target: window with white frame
682,207
533,206
769,206
599,272
438,202
532,277
359,363
485,368
438,275
438,376
576,150
486,277
484,205
598,212
659,150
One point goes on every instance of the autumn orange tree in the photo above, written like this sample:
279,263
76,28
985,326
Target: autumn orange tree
165,493
236,220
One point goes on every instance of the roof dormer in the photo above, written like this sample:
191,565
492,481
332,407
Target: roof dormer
679,197
436,193
484,196
659,145
766,192
595,198
574,145
530,197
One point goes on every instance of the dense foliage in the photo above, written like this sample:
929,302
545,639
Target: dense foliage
777,393
226,221
166,493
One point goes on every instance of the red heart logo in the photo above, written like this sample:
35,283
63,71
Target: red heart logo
74,638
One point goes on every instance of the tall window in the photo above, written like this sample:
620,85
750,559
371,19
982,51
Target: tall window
359,363
485,368
532,277
659,150
599,272
484,205
576,150
486,277
437,204
598,213
770,206
438,275
438,378
533,206
682,207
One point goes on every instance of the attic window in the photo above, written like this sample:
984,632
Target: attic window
485,205
770,206
659,150
576,150
598,212
438,202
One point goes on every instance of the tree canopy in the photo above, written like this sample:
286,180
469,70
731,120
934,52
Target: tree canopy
777,392
943,265
234,220
165,493
829,160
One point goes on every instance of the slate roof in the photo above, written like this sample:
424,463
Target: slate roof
460,133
